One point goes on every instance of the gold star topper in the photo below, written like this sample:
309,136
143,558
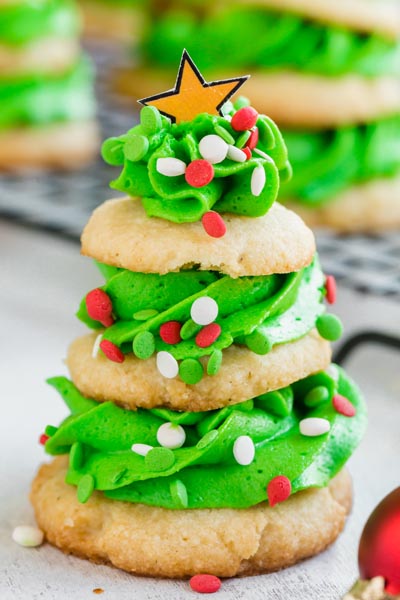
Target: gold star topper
192,95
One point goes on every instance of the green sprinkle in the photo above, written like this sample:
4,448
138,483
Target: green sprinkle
316,396
50,430
150,119
189,329
144,345
119,475
329,327
207,439
179,493
112,151
76,456
85,488
279,402
144,315
224,134
286,173
214,362
241,102
266,134
258,342
159,459
136,147
191,371
242,139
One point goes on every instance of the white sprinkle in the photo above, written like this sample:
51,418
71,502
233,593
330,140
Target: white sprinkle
236,154
170,435
258,180
204,310
263,155
170,167
141,449
244,450
314,426
167,364
27,536
213,148
333,372
228,118
96,345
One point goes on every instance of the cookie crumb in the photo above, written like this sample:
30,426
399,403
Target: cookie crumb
374,589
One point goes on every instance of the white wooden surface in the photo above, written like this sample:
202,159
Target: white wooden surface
42,281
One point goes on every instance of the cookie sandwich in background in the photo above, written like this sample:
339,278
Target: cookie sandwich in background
208,431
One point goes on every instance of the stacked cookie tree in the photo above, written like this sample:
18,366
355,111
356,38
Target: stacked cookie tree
328,72
46,87
208,430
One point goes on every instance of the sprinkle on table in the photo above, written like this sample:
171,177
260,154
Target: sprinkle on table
170,332
167,364
208,335
205,584
112,351
278,489
28,536
314,426
244,118
330,287
99,307
213,148
244,450
170,166
199,173
204,310
213,224
171,435
343,406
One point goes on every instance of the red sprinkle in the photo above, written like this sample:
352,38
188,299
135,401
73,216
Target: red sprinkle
213,224
112,351
253,139
247,152
205,584
208,335
170,332
278,489
199,173
343,406
43,439
330,286
99,307
244,118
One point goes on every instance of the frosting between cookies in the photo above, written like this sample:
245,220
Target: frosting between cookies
43,99
325,163
204,473
269,40
25,22
172,197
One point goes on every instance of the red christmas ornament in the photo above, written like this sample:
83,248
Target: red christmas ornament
379,549
112,351
205,584
170,332
253,139
245,118
43,439
343,406
278,489
199,173
330,287
247,152
213,224
99,307
208,335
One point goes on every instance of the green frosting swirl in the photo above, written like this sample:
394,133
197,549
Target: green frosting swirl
28,21
172,198
258,312
267,39
204,473
325,163
44,99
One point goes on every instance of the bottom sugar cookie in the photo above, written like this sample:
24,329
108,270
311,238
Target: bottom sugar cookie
159,542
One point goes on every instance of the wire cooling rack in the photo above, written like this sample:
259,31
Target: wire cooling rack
61,202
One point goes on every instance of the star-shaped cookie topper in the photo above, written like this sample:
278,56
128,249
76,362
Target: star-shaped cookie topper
192,95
